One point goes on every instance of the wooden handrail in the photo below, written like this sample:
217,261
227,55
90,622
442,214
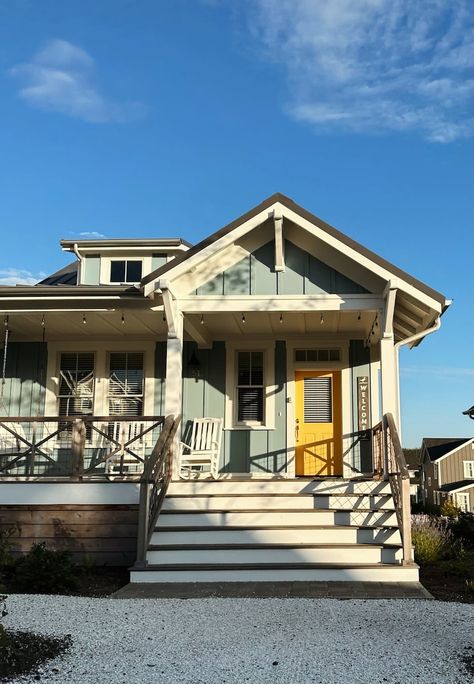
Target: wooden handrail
399,478
154,485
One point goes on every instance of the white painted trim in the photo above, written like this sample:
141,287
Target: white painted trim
279,244
293,366
464,464
268,349
453,451
101,350
60,493
198,333
283,303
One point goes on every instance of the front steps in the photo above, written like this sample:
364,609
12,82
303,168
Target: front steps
276,530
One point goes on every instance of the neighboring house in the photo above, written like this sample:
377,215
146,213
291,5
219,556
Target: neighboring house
413,461
278,325
448,471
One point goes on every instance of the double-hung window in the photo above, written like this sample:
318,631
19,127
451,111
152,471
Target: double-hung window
76,384
250,388
469,470
126,384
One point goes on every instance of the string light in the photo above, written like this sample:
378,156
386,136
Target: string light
281,318
84,319
358,316
243,318
321,320
123,319
202,319
43,322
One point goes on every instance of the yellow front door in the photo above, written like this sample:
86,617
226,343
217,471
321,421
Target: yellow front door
318,429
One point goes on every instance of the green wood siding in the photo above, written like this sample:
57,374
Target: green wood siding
359,361
242,450
303,274
160,378
24,388
90,270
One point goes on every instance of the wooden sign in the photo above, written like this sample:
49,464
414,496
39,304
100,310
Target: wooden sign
363,403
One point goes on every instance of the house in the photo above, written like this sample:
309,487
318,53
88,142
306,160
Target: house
412,458
278,325
448,471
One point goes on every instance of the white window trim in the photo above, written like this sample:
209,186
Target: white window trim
101,350
463,499
268,349
105,261
466,465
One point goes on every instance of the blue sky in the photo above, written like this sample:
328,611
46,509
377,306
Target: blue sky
171,117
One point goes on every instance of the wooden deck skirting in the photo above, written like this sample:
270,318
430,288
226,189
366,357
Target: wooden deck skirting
103,534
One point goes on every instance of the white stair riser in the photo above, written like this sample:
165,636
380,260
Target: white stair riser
375,574
333,555
203,503
200,487
330,535
277,518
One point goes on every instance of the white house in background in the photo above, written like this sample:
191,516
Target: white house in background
278,325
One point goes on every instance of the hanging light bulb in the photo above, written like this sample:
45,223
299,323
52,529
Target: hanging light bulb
358,316
202,319
43,322
5,322
243,318
84,319
281,318
376,321
321,320
123,319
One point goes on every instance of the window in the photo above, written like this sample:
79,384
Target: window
429,481
462,502
250,387
126,271
435,471
469,470
76,384
125,394
317,355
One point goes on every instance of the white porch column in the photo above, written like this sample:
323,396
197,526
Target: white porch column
174,368
388,359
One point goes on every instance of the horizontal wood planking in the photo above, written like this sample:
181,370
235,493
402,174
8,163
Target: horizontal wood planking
105,534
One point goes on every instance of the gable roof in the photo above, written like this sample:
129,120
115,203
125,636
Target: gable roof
437,447
456,486
330,230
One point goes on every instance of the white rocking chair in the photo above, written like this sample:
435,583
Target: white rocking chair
204,449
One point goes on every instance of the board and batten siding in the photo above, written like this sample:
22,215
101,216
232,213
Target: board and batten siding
451,468
360,454
303,274
242,450
23,393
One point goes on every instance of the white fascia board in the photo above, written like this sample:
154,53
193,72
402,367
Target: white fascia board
458,489
396,282
450,453
268,303
227,239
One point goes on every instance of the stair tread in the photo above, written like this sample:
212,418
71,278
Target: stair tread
270,566
193,511
207,528
271,495
269,545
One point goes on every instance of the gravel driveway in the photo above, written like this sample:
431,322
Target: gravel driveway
234,641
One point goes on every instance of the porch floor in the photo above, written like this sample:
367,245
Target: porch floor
335,590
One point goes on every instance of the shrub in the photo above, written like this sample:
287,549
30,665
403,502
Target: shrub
7,544
433,540
463,528
449,509
45,571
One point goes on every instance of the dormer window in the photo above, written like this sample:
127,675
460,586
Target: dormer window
125,270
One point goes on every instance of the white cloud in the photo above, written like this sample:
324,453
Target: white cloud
91,235
19,276
373,65
61,78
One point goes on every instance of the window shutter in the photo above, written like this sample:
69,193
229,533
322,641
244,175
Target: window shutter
318,400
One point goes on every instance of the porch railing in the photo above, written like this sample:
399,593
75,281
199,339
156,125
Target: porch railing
389,460
153,486
78,448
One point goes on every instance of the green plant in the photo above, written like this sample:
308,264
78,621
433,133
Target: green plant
7,544
470,586
45,571
449,509
433,540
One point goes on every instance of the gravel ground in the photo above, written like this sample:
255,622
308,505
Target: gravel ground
234,641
